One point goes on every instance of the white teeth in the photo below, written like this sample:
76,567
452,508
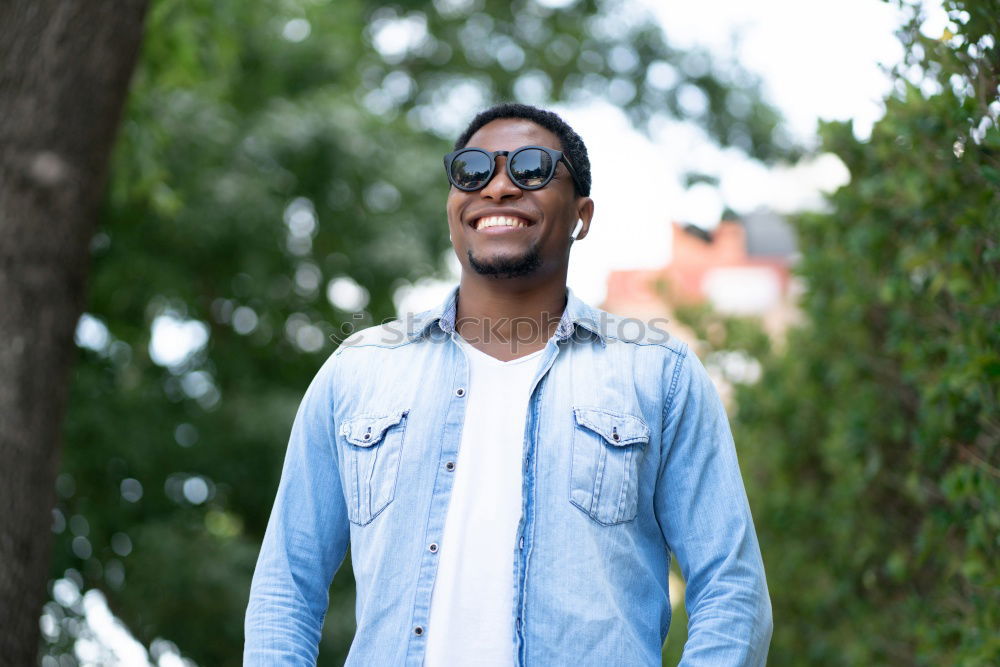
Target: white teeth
499,221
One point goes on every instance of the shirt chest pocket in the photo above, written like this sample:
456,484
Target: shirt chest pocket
607,448
374,445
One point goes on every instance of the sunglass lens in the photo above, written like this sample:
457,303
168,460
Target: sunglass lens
531,167
471,169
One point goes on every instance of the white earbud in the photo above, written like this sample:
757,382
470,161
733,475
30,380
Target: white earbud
576,229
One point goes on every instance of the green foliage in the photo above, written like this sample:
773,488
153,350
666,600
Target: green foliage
872,441
267,149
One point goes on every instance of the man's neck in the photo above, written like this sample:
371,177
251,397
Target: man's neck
508,321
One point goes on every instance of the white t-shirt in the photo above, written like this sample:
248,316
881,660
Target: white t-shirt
471,616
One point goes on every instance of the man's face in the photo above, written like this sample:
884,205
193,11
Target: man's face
539,244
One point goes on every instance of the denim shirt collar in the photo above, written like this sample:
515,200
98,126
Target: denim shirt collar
575,314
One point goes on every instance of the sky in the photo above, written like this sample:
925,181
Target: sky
817,60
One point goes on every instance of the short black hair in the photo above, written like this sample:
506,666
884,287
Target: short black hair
572,145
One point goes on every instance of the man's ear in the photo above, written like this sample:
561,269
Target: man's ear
585,213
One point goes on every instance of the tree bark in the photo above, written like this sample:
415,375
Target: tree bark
64,72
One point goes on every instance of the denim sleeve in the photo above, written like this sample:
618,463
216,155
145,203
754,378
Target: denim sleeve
305,540
702,508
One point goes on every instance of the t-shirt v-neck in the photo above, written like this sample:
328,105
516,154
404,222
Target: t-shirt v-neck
487,357
471,614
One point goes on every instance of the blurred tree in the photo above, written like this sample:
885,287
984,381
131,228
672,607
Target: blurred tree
64,72
872,441
277,181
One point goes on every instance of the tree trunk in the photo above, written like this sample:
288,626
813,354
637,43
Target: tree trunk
64,72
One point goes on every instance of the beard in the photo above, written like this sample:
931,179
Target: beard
508,267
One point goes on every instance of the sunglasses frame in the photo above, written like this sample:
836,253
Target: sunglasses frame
554,155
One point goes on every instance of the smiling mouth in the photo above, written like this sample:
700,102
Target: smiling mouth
500,222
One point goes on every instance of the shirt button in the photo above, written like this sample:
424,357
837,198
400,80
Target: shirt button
419,630
460,392
433,547
449,466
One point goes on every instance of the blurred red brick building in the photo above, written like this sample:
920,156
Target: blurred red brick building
740,267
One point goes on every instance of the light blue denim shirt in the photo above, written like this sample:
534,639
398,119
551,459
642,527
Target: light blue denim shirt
628,459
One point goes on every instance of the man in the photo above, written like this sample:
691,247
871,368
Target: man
511,470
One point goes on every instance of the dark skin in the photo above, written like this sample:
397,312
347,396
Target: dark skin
513,282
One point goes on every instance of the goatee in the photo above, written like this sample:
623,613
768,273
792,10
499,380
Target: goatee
508,267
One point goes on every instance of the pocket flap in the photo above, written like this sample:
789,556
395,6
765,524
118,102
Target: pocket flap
367,430
616,428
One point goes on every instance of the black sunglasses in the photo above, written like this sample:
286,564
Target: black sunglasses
529,167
